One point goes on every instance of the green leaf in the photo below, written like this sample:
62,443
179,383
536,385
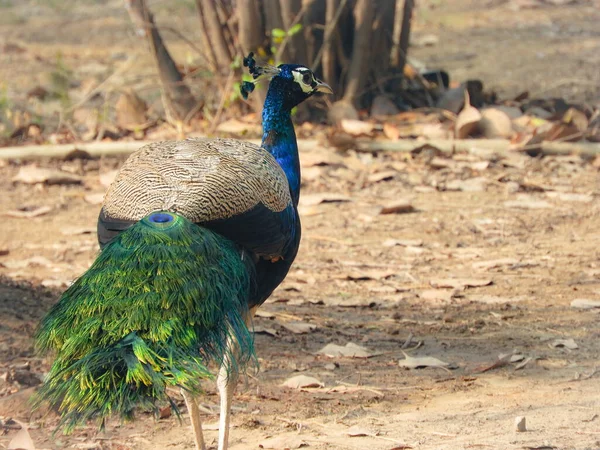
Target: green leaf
295,29
278,33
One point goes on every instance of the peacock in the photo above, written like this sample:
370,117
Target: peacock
195,235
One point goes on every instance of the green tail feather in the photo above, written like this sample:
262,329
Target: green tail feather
157,305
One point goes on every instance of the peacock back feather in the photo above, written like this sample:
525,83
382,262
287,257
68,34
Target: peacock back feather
158,304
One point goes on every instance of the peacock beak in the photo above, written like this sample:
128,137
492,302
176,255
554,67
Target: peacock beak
323,87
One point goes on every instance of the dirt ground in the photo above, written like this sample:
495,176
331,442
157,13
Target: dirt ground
488,264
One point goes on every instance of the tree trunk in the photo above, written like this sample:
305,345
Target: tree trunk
205,38
177,97
364,13
214,29
404,39
251,25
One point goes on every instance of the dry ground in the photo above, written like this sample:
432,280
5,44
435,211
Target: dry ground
516,224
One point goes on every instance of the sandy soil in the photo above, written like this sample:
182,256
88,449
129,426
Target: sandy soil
517,237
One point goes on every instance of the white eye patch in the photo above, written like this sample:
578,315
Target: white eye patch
305,78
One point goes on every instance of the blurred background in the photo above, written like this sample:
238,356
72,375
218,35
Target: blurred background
105,69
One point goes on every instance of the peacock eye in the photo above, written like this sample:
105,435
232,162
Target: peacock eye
307,78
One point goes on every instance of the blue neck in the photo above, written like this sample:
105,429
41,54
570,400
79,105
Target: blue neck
279,137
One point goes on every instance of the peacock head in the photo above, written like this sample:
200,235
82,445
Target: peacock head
293,83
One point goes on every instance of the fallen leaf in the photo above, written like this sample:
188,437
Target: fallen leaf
22,440
35,175
358,431
495,263
584,303
264,330
496,300
495,123
356,127
320,158
235,126
350,350
420,362
398,207
353,302
523,363
502,361
403,242
372,274
459,283
283,443
527,204
72,231
29,213
467,120
382,176
94,199
570,197
437,294
299,327
264,314
315,199
478,184
302,382
107,178
565,343
391,131
165,412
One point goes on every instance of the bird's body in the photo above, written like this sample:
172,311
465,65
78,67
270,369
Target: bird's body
195,234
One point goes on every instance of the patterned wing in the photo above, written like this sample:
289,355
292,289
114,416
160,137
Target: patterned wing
233,187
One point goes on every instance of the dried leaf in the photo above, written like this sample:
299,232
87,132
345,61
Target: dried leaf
437,294
459,283
34,175
495,263
235,126
358,431
320,158
264,330
264,314
496,300
302,382
22,440
565,343
576,118
372,274
350,350
495,123
316,199
94,199
299,327
107,178
165,412
283,443
420,362
502,361
403,242
382,176
467,120
356,127
570,197
72,231
391,131
584,303
398,207
478,184
29,213
527,203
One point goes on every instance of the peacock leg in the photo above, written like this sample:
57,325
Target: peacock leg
192,407
226,382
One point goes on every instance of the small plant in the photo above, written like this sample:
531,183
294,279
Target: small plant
60,81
